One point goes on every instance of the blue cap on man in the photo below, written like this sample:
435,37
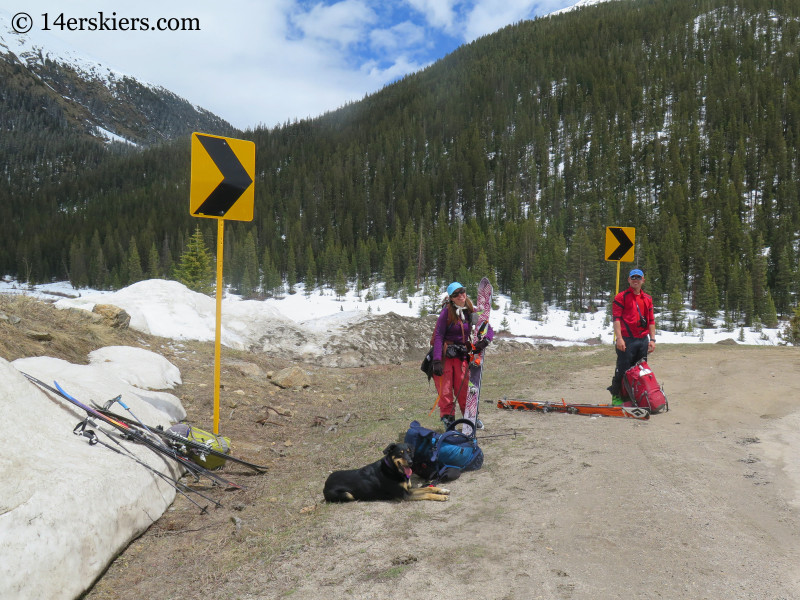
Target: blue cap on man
636,272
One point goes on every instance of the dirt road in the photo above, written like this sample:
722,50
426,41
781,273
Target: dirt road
700,502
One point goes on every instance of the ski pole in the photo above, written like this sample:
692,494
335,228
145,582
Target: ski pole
118,399
80,429
513,434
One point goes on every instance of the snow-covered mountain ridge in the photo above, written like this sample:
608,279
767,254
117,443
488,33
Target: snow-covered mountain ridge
121,108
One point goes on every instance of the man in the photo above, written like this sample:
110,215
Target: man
634,329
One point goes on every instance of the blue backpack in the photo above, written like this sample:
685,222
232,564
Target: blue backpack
443,456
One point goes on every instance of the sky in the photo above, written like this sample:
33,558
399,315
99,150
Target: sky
268,62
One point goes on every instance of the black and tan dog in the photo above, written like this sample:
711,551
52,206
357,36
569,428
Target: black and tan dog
386,479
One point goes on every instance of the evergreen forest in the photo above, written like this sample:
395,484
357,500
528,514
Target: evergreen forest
508,157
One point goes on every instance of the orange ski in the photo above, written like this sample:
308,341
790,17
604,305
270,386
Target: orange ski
605,410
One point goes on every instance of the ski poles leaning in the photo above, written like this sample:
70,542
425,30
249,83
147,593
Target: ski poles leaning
140,434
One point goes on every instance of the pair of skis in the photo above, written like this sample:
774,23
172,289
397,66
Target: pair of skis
605,410
181,443
137,434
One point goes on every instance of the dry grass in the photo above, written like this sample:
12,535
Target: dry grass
72,334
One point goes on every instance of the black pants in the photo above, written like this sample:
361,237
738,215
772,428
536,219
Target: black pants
635,350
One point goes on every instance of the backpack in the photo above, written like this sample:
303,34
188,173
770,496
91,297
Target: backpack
213,442
442,456
640,387
427,364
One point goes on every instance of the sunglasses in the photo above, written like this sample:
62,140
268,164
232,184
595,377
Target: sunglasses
459,293
636,277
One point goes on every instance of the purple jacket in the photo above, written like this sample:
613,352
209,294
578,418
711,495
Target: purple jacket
455,333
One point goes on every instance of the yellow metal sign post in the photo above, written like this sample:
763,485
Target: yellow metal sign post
223,170
620,247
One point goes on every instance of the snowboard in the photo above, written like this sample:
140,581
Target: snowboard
483,310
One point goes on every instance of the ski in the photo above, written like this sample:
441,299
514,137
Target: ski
484,309
180,443
605,410
135,435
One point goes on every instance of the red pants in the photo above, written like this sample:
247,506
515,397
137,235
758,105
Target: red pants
454,380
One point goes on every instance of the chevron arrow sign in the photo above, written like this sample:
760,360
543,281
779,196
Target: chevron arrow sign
619,243
223,170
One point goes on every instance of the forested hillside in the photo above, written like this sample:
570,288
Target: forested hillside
510,155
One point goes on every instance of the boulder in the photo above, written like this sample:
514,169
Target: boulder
67,508
113,315
291,377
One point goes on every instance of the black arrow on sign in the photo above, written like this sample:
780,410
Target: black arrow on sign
625,243
235,179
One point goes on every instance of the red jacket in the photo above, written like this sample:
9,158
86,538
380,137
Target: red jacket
628,308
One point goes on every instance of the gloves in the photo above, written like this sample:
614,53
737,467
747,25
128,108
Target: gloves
438,368
481,344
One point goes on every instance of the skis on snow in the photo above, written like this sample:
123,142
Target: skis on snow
135,434
605,410
180,443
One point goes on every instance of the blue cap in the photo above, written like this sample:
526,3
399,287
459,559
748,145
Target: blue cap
636,272
453,287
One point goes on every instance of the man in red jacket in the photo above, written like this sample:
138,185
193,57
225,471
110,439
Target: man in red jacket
634,329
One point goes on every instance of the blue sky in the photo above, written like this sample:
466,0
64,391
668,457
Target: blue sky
266,62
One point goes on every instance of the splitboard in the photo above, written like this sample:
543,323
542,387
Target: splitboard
605,410
484,310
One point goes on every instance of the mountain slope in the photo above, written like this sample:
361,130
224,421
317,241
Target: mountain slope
90,98
680,118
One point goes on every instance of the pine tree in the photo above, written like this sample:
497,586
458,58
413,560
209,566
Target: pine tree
135,272
271,284
340,285
792,331
770,316
388,271
675,309
250,270
707,298
195,268
153,263
535,299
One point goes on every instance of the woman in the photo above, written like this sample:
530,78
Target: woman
452,348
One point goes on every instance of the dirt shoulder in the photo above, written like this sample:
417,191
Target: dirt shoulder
701,502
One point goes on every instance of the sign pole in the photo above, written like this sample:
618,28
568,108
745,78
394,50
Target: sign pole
614,337
619,248
218,329
222,187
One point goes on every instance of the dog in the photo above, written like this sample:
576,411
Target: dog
386,479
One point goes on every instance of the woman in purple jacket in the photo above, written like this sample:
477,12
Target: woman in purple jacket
453,345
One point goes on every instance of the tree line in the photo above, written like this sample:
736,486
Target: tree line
510,157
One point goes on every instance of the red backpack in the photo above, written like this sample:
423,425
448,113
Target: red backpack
641,389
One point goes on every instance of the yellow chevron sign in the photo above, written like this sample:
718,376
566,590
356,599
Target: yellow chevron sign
620,243
223,170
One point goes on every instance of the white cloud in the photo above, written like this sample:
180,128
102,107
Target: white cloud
400,36
439,14
487,16
255,62
344,23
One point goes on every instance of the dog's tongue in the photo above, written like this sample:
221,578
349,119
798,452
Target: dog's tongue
408,472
